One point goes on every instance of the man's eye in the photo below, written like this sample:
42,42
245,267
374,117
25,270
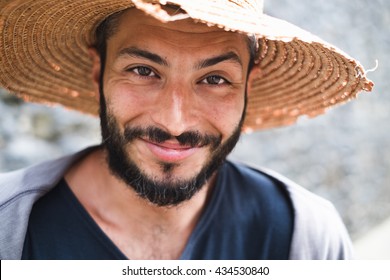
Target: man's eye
143,71
214,80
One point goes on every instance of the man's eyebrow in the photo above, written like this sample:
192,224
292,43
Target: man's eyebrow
139,53
229,56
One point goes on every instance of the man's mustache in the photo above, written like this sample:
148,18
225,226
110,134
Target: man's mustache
157,135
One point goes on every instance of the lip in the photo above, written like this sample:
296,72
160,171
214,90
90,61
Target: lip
170,152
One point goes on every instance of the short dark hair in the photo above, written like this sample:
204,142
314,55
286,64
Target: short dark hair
104,31
109,25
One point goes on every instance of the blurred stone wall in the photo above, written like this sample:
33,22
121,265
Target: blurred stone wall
343,155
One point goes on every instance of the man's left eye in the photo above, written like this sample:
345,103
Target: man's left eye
214,80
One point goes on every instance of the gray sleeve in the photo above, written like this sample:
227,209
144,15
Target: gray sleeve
15,207
319,233
18,192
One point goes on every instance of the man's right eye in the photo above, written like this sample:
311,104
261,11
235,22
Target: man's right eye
142,71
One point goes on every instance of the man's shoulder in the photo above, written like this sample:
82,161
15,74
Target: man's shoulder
18,192
259,176
319,232
247,175
36,178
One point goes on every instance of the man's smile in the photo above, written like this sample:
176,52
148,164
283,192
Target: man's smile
169,151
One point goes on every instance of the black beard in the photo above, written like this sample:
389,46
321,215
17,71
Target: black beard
169,192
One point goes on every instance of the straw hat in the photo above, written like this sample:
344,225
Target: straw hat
44,58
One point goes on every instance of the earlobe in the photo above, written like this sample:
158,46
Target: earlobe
254,75
96,68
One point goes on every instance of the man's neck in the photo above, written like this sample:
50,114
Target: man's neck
140,229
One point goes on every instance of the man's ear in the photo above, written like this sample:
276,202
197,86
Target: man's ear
95,71
254,74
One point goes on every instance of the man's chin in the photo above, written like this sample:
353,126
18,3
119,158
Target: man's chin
167,189
163,184
163,171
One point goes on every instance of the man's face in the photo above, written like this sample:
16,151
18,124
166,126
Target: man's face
172,103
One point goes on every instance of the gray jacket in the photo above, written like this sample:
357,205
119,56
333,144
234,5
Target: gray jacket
318,233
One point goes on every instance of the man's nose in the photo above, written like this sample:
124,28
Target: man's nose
175,109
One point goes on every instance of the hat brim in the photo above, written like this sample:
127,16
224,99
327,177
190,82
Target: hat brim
44,58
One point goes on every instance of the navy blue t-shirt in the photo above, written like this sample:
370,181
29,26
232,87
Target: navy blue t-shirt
249,216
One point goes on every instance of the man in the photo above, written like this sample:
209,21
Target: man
175,86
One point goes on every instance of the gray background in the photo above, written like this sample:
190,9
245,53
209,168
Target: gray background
343,155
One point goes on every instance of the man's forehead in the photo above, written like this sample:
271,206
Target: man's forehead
196,42
134,18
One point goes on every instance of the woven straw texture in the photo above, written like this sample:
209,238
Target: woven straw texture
44,57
